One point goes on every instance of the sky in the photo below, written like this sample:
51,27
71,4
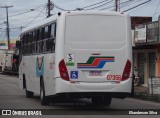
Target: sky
27,12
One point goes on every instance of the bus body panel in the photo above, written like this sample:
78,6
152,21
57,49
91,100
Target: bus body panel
97,62
92,87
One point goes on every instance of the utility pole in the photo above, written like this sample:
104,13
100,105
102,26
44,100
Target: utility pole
7,29
49,8
117,5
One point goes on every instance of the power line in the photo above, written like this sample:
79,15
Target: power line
100,5
21,13
35,18
128,3
2,34
114,5
136,6
156,9
140,8
3,38
107,7
122,4
56,6
94,4
24,10
1,24
31,10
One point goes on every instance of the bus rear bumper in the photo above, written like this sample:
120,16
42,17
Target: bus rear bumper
89,88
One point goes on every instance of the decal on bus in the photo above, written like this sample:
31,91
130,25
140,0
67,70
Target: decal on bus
70,60
40,66
96,62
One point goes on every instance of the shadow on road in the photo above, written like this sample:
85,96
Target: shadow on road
79,104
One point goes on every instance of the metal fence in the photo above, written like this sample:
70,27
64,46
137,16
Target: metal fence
154,85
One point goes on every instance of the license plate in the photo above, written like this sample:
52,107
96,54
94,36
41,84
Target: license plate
95,73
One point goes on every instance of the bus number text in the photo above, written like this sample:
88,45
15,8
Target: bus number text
113,77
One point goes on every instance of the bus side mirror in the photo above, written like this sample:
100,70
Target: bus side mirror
18,44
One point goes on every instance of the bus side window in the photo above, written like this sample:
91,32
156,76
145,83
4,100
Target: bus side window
37,39
24,45
54,37
47,43
29,43
34,43
42,38
21,47
51,41
46,36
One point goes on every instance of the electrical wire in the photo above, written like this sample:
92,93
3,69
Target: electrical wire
131,2
136,6
35,18
20,13
140,8
56,6
2,35
3,38
114,5
123,4
94,4
1,24
2,32
100,5
156,9
24,10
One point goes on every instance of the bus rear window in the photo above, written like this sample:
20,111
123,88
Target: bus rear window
95,28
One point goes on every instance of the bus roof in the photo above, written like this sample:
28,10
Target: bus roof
41,23
53,18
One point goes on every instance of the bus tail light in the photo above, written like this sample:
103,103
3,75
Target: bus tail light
63,70
126,71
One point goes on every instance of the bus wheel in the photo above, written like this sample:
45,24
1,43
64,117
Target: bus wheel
29,94
101,101
43,98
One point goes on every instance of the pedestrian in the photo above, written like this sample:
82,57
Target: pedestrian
136,77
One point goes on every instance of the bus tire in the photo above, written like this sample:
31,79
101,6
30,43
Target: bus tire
29,94
43,98
101,101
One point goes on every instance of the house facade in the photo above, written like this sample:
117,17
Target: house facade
146,51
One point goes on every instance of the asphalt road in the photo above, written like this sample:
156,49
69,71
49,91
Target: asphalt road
11,97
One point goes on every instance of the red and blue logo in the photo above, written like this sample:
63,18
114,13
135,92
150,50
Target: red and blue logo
96,62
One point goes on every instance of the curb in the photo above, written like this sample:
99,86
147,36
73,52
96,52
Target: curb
148,97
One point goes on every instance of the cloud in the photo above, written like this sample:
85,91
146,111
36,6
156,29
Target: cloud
20,6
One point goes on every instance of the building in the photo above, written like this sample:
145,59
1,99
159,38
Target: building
4,44
146,51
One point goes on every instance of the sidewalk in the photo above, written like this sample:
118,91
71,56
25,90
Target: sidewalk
141,92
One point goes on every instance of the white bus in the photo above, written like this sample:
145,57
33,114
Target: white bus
82,54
